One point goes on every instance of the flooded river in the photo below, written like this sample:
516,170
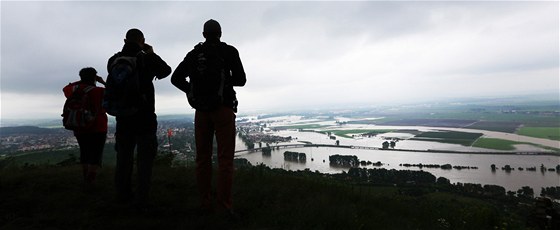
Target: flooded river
318,159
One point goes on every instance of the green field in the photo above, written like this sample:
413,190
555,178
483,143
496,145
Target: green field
56,156
450,137
497,144
552,133
350,132
498,126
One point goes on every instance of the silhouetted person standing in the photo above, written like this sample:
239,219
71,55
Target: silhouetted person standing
219,61
138,130
92,138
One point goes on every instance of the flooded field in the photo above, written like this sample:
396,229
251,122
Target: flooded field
318,157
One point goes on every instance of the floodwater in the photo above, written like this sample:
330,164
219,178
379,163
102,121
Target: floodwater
318,159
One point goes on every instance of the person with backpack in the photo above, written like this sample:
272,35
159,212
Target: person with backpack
213,68
130,97
84,114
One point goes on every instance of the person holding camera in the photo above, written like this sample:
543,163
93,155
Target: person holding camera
138,130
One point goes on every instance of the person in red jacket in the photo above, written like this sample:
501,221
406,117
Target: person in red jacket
91,140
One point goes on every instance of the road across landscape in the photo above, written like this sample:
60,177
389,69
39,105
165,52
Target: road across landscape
290,146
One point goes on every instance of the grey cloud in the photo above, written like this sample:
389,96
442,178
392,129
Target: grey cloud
291,48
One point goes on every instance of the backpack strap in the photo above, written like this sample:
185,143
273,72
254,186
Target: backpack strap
138,58
78,91
86,89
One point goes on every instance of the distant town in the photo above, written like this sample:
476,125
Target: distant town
30,138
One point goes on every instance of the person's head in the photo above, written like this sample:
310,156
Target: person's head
135,36
212,30
88,75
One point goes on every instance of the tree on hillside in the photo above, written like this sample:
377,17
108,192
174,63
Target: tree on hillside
443,181
526,192
494,191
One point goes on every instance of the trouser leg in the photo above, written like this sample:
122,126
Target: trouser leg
147,150
82,143
225,136
204,135
123,173
95,155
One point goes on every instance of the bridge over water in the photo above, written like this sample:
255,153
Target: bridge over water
292,146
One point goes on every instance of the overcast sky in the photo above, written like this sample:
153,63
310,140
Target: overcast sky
296,54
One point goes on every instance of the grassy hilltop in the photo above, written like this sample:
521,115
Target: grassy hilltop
52,197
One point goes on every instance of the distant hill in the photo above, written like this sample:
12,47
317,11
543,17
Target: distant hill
167,117
39,122
18,130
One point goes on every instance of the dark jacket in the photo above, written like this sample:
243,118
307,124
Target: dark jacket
150,66
235,74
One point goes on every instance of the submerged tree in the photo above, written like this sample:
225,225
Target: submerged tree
340,160
266,151
385,145
295,156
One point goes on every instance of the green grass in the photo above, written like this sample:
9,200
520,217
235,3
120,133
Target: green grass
552,133
45,156
451,137
498,126
52,197
54,156
497,144
500,144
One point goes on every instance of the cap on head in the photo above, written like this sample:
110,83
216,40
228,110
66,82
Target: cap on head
135,35
88,74
212,28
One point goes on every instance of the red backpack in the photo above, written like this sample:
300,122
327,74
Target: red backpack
77,113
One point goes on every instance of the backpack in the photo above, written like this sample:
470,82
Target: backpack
207,80
77,113
122,91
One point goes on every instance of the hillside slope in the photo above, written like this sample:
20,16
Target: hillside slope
48,197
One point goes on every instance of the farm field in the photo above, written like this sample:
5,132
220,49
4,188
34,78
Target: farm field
442,127
351,133
493,143
552,133
451,137
300,126
498,126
